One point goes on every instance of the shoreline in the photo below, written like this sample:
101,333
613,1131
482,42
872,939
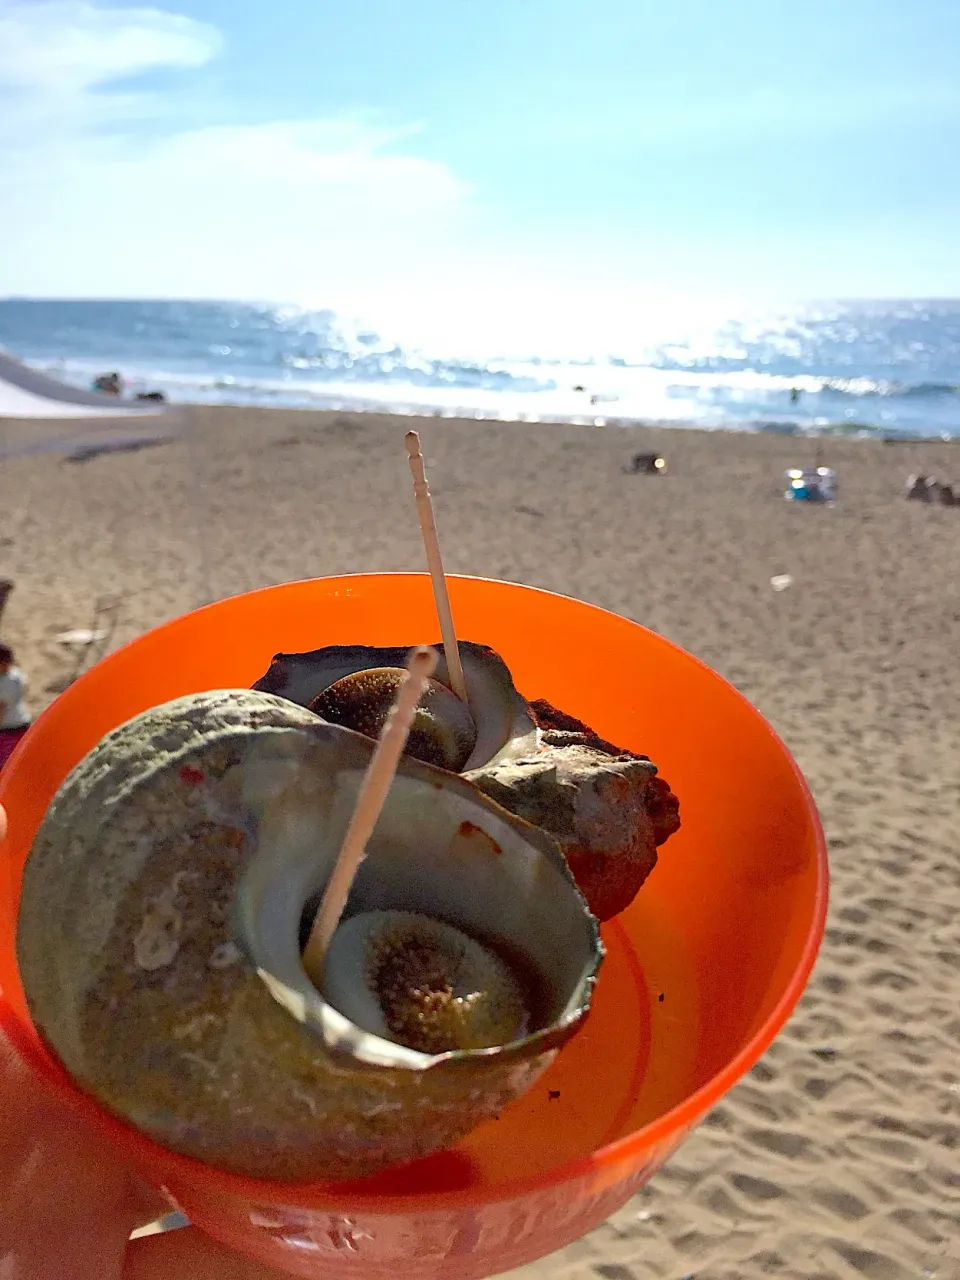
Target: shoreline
501,405
795,430
855,432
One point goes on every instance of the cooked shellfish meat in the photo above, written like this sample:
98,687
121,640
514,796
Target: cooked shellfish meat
422,983
443,733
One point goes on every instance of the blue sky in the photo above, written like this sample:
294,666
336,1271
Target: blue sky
582,152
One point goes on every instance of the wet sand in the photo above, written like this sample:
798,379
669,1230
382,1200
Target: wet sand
839,1155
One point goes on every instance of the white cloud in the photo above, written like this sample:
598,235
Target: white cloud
344,154
94,205
67,45
62,60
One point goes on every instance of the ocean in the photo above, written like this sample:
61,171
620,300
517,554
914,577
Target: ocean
890,368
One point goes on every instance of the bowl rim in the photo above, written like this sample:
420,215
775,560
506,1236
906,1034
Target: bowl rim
620,1155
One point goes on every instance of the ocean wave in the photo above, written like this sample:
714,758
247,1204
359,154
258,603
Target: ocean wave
602,382
652,395
886,368
300,377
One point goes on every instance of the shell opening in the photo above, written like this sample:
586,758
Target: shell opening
422,984
440,850
443,733
502,724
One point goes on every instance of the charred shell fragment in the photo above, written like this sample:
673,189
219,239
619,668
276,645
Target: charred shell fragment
606,807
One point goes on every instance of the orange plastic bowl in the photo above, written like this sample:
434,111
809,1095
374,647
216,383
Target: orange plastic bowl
701,973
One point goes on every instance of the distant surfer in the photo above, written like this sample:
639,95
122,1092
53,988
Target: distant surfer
795,395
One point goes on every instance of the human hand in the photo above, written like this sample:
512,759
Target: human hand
68,1205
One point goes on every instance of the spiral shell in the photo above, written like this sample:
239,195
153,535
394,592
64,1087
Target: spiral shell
162,917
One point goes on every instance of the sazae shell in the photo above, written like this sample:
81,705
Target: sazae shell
163,909
606,807
505,729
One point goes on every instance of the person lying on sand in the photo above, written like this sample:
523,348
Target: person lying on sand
929,489
111,384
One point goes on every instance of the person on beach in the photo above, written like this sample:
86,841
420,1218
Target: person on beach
14,717
110,384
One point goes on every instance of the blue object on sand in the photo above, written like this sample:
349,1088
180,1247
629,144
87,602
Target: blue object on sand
814,484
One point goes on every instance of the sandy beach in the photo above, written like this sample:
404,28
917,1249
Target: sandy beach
839,1155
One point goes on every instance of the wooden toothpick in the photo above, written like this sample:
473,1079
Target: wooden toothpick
421,664
431,545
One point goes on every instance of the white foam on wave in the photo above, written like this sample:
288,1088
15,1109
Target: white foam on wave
540,390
